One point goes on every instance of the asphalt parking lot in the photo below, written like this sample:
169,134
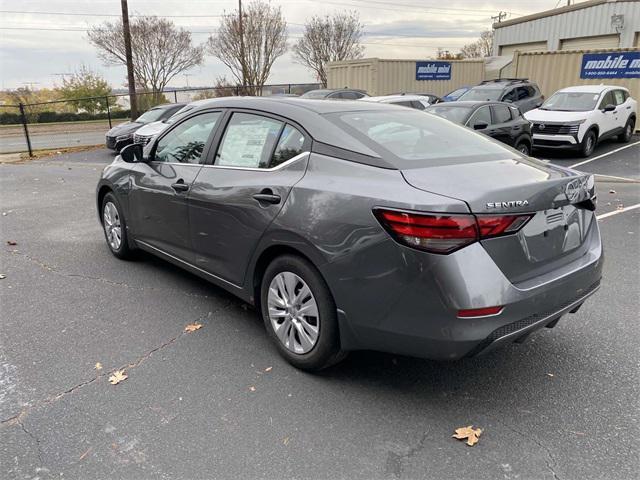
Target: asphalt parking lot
220,403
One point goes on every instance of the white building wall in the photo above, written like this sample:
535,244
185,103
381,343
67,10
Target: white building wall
586,22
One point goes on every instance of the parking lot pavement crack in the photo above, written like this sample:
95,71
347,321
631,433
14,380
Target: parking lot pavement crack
17,418
394,463
34,438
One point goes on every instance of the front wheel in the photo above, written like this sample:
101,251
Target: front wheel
588,144
523,148
115,227
625,136
299,313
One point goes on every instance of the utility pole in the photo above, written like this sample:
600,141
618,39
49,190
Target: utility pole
242,57
127,48
498,18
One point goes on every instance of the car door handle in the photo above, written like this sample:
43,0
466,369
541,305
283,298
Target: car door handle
180,186
267,196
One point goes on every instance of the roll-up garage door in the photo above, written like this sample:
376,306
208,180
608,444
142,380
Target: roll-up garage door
590,43
523,47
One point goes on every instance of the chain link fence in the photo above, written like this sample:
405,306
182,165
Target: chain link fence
85,121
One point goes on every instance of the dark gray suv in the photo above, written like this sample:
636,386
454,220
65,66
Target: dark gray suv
518,91
355,225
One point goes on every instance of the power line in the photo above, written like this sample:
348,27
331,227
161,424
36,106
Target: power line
106,14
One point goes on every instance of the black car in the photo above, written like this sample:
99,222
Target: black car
518,91
122,135
335,94
501,121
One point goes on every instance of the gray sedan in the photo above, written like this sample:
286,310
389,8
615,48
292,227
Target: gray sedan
354,225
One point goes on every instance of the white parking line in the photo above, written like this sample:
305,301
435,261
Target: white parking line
615,212
604,155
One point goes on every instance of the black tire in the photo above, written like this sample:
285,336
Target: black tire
625,137
524,148
588,144
326,350
123,251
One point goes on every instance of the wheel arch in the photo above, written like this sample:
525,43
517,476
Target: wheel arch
102,192
524,139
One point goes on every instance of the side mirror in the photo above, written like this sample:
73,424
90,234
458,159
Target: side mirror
609,108
480,125
132,153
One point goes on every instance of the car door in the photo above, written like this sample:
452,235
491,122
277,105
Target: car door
258,159
607,120
503,127
161,186
623,109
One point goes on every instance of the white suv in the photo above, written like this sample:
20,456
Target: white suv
580,117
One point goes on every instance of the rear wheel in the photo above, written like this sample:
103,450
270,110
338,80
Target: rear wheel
299,313
626,135
523,147
588,143
115,227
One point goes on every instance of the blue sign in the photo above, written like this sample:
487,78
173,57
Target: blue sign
433,70
610,65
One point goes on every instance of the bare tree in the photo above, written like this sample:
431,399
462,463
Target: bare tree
483,47
329,39
250,47
160,50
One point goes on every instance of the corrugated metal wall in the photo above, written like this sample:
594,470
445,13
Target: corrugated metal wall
383,77
555,70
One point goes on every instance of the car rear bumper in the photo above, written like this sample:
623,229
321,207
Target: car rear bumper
410,308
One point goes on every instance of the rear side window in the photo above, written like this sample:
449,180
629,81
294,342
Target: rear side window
501,113
289,145
248,141
414,139
618,95
417,104
522,93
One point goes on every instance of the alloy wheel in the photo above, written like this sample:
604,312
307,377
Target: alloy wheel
293,312
112,226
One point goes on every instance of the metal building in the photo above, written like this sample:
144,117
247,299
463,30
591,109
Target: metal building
594,24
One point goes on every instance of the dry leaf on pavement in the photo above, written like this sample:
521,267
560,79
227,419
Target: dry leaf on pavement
253,389
620,206
11,242
192,327
98,366
268,369
117,377
2,275
469,433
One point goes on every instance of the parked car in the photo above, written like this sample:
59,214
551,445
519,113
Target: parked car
419,102
355,225
335,94
122,135
145,133
519,91
455,95
580,117
501,121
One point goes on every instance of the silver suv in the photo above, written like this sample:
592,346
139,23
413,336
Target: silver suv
519,91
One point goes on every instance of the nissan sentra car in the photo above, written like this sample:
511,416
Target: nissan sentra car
355,225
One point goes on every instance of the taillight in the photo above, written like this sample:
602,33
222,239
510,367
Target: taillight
480,312
446,233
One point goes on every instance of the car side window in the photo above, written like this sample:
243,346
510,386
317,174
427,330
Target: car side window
419,105
501,114
351,95
185,143
483,114
607,99
289,145
522,93
403,103
619,97
510,96
248,141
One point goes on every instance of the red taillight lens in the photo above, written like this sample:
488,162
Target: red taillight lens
479,312
443,233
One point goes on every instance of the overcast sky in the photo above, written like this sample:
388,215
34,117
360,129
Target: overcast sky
411,29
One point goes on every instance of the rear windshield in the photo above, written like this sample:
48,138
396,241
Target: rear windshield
481,94
455,114
571,102
413,138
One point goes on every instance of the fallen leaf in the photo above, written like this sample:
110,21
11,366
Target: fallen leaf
612,191
620,207
252,389
2,275
98,366
469,433
192,327
285,441
117,377
11,242
550,374
268,369
85,453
